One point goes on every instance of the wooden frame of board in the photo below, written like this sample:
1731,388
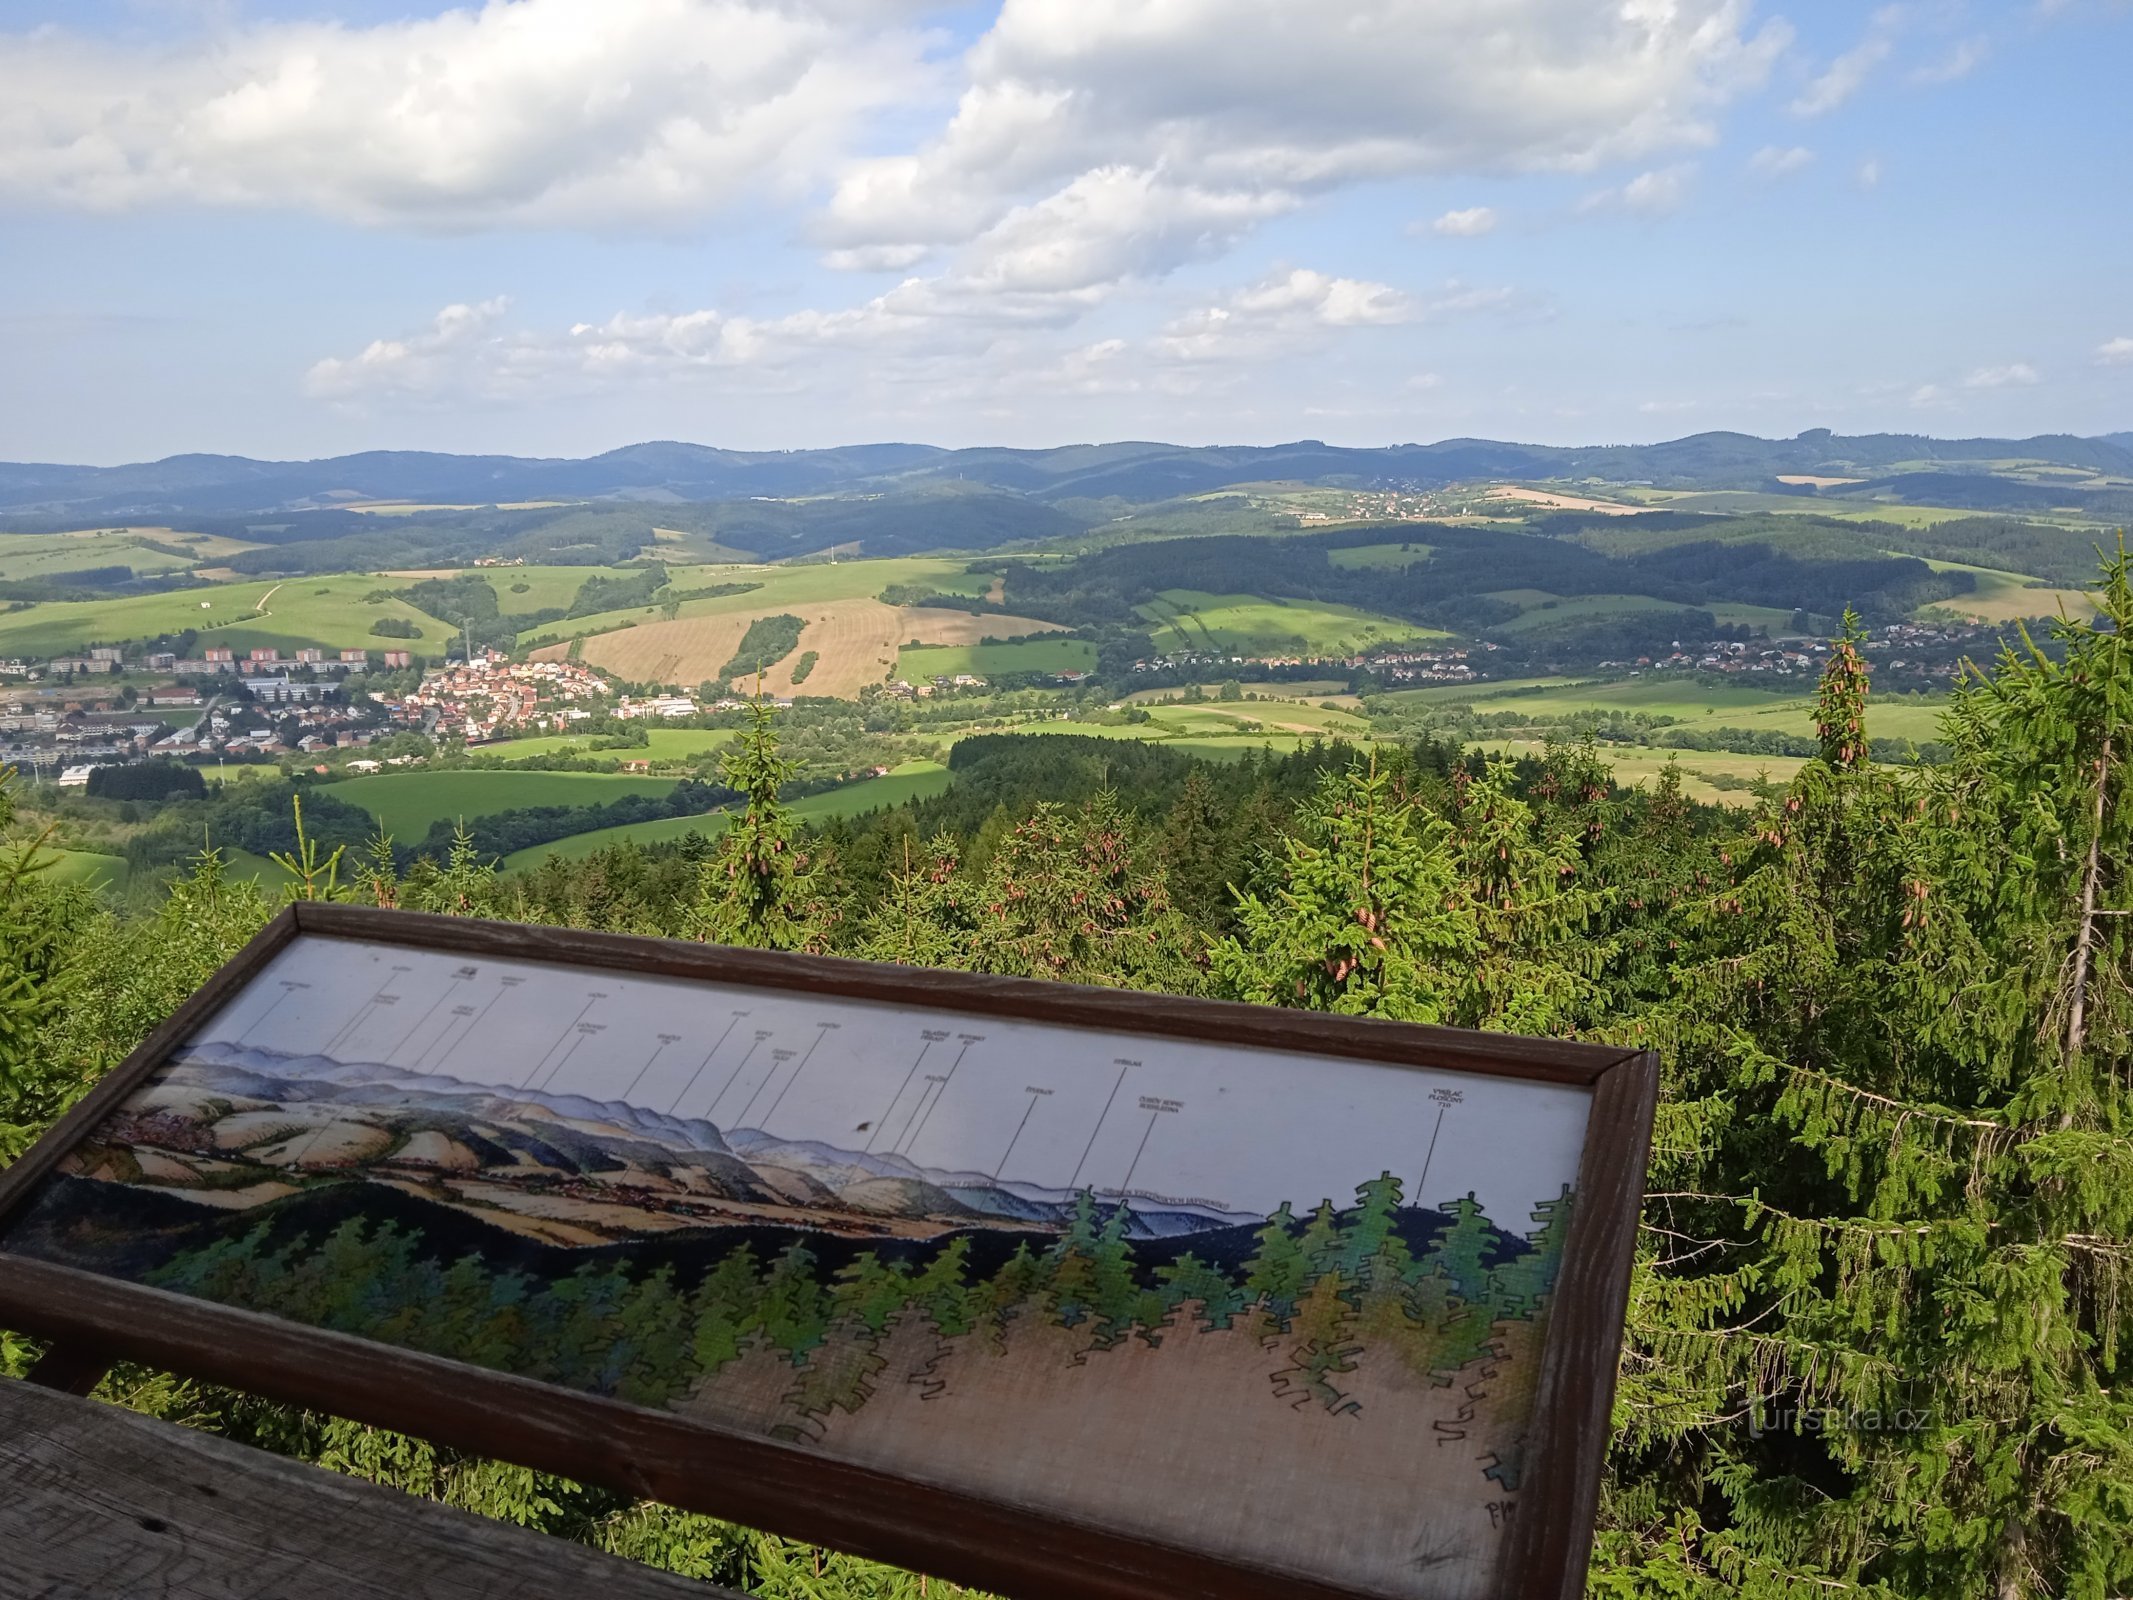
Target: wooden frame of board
94,1319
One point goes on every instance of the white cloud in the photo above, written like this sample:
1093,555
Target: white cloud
2015,375
1283,310
2115,353
1110,224
1773,161
543,112
1468,224
1262,98
459,336
1929,397
1649,194
1869,173
876,257
1963,58
1848,73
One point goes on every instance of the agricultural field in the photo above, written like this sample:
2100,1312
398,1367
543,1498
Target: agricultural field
1641,769
332,613
854,634
661,745
523,589
1690,702
1544,610
406,804
918,663
1242,624
2008,597
914,780
25,557
1272,716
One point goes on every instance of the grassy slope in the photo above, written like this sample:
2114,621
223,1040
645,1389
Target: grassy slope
2007,597
911,781
917,663
1191,619
407,803
83,866
329,612
661,744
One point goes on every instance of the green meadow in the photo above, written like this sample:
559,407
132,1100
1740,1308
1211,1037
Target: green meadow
1242,624
661,745
406,804
918,663
914,780
332,613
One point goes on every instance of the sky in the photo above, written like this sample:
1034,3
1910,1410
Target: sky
555,227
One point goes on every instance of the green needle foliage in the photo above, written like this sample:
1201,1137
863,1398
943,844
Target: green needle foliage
1880,1312
755,887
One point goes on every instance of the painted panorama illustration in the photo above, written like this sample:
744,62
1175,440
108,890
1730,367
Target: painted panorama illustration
1282,1309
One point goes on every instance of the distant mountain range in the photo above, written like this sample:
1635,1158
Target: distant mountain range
311,1112
1136,472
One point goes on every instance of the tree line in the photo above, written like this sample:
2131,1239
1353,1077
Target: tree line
1878,1320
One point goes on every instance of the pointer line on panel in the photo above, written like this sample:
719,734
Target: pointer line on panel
823,1033
939,1089
253,1026
746,1057
1135,1167
421,1021
882,1121
665,1039
1427,1157
1017,1139
701,1065
568,1028
466,1033
1074,1182
777,1060
349,1028
564,1060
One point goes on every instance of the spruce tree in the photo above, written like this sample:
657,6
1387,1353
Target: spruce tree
921,920
1364,918
756,888
1878,1332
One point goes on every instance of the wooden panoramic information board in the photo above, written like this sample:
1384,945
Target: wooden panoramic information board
1055,1291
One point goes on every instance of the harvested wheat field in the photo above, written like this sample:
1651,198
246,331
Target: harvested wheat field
686,651
855,643
1562,502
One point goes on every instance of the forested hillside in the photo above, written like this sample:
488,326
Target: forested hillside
1877,1324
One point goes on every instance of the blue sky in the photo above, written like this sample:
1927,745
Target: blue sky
558,226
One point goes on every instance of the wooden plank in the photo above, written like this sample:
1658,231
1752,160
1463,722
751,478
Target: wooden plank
655,1455
1573,1407
16,1181
72,1366
97,1503
960,1535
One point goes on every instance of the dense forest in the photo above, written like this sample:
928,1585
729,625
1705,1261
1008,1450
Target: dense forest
1457,569
1876,1325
